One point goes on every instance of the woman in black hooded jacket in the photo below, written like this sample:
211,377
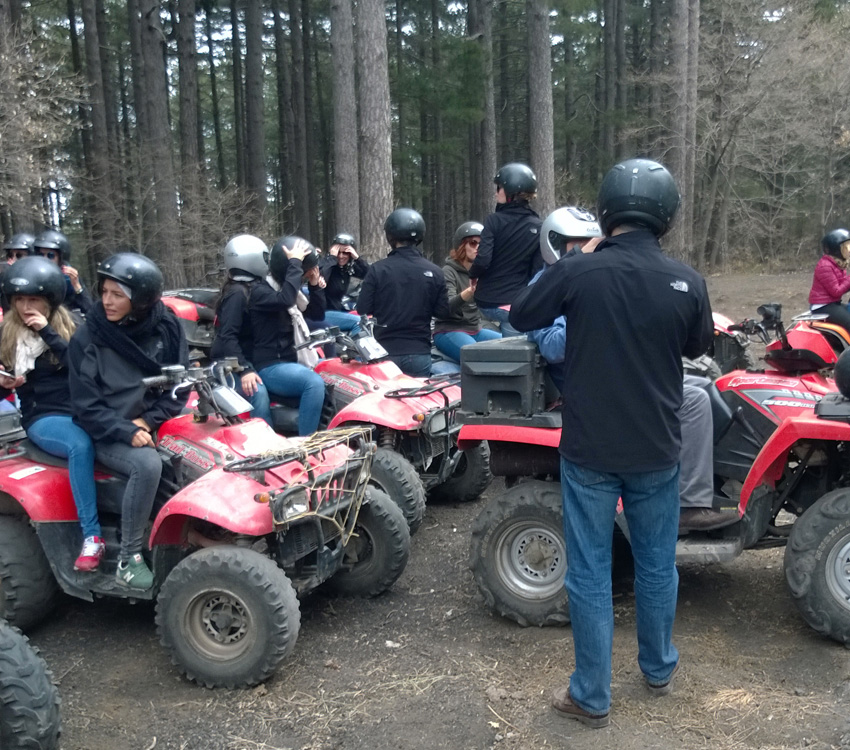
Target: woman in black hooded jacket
128,335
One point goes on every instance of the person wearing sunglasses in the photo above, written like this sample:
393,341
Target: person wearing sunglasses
462,325
56,247
18,246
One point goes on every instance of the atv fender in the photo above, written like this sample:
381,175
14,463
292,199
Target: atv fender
470,434
375,408
43,491
225,499
769,465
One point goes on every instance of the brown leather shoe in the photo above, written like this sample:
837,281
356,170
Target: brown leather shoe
665,688
564,705
706,519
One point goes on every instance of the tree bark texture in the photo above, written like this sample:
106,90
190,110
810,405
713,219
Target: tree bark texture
541,126
255,162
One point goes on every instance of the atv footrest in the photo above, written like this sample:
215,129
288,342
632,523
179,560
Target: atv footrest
703,550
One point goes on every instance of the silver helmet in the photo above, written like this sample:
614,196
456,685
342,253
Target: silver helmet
248,254
563,224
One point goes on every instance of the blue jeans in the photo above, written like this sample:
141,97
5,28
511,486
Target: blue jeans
651,505
346,322
259,401
501,317
450,342
59,436
415,365
291,379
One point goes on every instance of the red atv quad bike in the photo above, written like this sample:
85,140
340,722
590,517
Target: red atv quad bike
412,421
783,467
244,520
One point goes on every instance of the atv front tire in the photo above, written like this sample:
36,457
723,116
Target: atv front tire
29,700
394,475
28,589
519,557
227,616
470,478
377,554
817,565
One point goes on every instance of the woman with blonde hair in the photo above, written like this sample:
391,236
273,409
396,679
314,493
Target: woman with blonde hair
34,353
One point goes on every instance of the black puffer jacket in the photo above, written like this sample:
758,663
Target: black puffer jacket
509,254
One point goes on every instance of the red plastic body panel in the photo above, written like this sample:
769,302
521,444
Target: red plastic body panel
771,460
369,382
802,337
470,434
778,396
43,491
182,308
721,322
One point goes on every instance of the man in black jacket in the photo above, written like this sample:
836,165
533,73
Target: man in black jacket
633,313
508,255
404,291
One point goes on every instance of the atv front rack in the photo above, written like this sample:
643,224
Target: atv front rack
431,385
330,494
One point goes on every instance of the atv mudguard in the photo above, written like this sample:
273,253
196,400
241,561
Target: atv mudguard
182,308
770,462
471,434
43,491
375,408
225,499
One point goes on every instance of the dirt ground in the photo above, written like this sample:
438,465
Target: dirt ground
428,666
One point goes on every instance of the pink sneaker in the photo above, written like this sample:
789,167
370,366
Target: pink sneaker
91,554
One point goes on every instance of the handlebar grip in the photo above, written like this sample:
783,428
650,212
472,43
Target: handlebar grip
154,381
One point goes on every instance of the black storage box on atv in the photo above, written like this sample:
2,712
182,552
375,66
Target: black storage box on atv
505,378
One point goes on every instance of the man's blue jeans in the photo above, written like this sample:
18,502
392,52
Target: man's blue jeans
500,316
59,436
450,342
292,379
651,505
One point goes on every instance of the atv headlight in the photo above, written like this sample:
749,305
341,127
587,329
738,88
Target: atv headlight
292,502
436,424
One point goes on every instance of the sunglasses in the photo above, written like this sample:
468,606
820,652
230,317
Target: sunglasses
473,243
49,254
16,254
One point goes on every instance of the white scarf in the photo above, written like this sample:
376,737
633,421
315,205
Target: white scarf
30,347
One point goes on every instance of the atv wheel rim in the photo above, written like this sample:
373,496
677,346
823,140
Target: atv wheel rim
218,625
838,572
531,560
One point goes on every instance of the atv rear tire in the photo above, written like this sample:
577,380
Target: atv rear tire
227,616
28,589
519,557
377,555
817,565
393,474
29,700
470,478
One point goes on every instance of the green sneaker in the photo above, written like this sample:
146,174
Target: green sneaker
134,573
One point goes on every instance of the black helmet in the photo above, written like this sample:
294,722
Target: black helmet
405,225
638,191
140,274
465,231
50,239
36,277
20,241
279,260
516,178
344,238
832,241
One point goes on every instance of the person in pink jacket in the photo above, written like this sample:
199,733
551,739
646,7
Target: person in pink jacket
831,279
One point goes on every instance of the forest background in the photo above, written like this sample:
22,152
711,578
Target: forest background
167,127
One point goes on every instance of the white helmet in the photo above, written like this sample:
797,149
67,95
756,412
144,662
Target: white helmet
247,253
567,223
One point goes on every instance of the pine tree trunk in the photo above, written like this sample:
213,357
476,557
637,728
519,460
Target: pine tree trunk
541,124
299,164
376,176
219,146
285,136
238,95
347,197
255,171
